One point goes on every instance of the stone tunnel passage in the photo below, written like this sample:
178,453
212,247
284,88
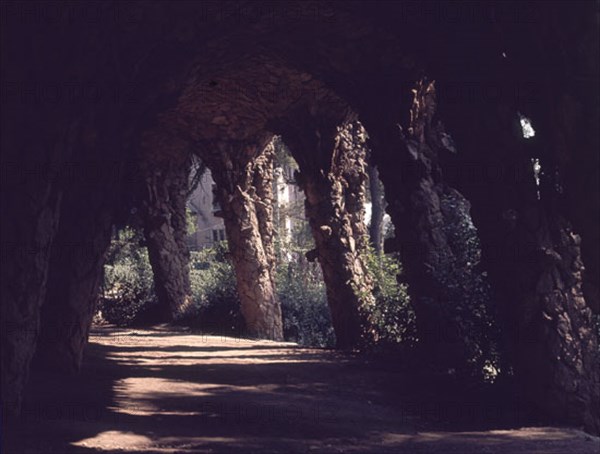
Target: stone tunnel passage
179,78
165,391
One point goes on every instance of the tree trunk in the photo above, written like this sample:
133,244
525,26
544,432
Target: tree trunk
248,219
165,230
378,205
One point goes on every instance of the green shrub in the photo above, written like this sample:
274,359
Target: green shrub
468,296
215,303
306,318
128,287
392,315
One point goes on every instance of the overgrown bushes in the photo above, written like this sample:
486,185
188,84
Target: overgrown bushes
306,318
468,297
215,304
128,295
128,287
392,315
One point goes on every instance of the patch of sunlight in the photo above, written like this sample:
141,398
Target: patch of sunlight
141,395
537,170
545,433
114,439
147,410
395,438
490,372
526,127
154,385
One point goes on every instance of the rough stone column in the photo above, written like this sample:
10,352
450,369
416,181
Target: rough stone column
75,272
247,214
554,347
31,199
535,262
531,253
29,222
422,204
164,219
262,176
335,196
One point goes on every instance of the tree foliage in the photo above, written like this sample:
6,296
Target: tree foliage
391,314
215,303
128,287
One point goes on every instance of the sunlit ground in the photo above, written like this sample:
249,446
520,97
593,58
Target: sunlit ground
156,391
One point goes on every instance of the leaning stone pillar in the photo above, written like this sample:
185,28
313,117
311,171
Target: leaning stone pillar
163,213
333,180
75,275
241,171
31,200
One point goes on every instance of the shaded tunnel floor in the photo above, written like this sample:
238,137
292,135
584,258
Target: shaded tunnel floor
167,391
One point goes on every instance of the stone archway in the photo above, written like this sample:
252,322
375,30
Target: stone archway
223,81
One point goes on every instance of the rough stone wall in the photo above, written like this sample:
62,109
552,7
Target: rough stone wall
555,350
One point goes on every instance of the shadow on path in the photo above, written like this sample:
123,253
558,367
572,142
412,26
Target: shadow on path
155,392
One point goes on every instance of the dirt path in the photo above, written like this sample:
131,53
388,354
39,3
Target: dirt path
159,391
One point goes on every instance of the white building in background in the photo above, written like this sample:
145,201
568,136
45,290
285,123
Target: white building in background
288,201
209,228
387,220
288,209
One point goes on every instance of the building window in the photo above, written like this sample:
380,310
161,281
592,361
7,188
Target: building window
218,235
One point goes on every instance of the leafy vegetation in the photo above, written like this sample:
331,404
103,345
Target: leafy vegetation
128,295
128,287
392,315
215,304
306,318
468,296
